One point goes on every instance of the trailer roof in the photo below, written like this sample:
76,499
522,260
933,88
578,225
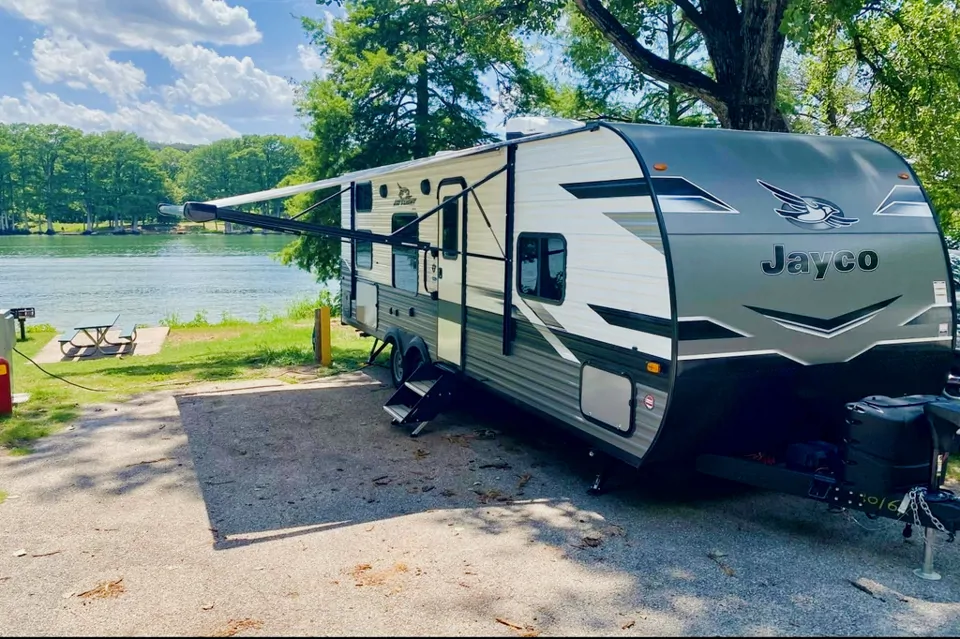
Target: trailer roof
630,130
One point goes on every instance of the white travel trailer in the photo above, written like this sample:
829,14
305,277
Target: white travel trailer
671,294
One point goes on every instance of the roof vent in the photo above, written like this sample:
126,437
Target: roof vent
533,125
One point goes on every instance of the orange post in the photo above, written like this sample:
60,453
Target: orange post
322,332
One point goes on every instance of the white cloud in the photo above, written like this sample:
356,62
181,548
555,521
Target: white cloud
61,57
311,60
143,24
147,119
210,79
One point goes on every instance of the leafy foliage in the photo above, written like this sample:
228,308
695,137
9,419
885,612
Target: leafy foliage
61,175
903,94
406,80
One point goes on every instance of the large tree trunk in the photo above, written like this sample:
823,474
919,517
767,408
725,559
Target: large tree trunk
758,46
89,218
745,47
421,143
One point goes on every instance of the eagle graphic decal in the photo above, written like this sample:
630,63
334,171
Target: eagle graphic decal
809,212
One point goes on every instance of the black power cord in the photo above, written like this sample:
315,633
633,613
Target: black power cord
55,376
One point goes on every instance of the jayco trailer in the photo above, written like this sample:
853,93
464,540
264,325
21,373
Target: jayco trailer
673,295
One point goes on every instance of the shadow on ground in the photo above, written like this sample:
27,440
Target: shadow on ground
308,489
286,462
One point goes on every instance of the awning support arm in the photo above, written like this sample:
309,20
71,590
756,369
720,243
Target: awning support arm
320,203
202,212
461,194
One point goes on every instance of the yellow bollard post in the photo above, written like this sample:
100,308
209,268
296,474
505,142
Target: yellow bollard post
322,330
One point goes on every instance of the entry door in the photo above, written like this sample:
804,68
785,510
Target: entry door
450,274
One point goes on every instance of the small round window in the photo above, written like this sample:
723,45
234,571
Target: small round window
383,190
425,187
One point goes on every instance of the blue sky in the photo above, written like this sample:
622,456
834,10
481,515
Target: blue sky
170,70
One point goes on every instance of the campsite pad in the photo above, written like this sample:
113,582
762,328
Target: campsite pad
262,508
149,341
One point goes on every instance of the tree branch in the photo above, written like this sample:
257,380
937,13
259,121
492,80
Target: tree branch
678,75
695,17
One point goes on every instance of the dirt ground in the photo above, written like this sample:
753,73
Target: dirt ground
262,508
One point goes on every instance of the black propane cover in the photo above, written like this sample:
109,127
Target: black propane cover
886,444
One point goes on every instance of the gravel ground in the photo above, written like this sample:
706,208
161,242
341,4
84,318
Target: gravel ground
273,509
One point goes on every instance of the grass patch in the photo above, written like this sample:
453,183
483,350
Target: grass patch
195,351
3,496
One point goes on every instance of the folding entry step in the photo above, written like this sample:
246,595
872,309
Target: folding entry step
424,395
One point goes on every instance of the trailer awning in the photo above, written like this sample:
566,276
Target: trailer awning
366,174
356,176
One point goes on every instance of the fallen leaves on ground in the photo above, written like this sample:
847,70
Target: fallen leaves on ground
238,625
593,542
486,496
523,631
460,440
105,590
420,453
524,478
383,480
718,556
365,575
629,624
151,461
20,553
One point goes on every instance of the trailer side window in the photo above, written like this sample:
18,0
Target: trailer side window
405,259
363,197
449,240
543,266
364,253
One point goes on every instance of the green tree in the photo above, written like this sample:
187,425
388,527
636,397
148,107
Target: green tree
7,171
84,157
744,41
919,52
405,81
609,87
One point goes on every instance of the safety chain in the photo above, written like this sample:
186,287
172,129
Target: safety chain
916,497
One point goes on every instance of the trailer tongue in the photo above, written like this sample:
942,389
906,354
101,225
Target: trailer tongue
892,463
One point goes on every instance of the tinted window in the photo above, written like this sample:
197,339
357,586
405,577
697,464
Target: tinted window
363,194
542,271
364,253
449,239
405,260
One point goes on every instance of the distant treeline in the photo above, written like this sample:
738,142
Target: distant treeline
51,174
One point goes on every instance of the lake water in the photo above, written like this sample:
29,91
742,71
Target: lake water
146,278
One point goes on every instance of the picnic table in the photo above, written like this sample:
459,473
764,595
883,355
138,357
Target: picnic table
95,328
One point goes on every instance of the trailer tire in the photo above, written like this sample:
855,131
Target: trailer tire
398,365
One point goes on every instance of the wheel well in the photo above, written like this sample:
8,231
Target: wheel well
407,342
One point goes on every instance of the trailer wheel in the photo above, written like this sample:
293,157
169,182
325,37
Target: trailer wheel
398,372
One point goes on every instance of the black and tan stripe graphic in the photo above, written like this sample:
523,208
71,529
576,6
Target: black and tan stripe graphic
676,194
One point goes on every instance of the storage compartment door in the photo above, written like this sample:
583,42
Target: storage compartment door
607,398
367,304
